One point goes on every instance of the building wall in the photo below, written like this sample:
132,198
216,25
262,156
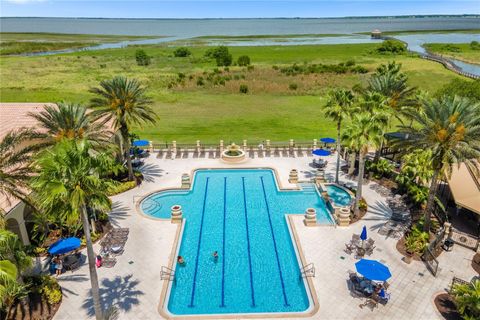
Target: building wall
15,222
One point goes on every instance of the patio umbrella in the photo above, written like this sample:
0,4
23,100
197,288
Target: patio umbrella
328,140
363,235
373,270
140,143
321,152
64,245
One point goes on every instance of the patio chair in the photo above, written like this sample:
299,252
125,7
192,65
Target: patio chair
108,262
369,250
355,284
370,242
349,248
355,237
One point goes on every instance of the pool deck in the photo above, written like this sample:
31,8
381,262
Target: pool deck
134,284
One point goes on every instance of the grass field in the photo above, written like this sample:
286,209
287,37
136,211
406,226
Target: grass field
188,112
21,43
460,51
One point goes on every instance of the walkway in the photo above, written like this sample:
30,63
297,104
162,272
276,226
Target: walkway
134,284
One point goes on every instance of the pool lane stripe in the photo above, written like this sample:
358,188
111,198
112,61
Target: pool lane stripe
248,244
275,245
199,244
222,305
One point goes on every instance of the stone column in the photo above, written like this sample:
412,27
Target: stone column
221,146
268,145
310,217
319,177
291,143
150,146
177,214
244,145
174,146
198,146
186,181
314,144
448,229
293,176
344,217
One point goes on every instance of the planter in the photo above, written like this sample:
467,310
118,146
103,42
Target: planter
310,217
177,214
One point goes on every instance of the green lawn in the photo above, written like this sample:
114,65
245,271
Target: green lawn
187,113
460,51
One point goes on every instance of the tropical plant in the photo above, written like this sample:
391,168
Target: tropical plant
416,167
71,173
450,128
181,52
365,131
417,240
467,299
243,61
12,249
15,167
142,58
123,102
338,108
381,168
71,121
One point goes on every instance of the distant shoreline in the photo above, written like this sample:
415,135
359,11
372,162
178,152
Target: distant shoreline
260,18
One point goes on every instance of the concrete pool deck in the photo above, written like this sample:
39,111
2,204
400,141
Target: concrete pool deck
134,284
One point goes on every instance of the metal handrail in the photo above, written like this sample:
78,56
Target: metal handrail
308,270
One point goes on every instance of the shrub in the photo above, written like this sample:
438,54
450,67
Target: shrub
142,58
182,52
200,81
53,295
122,187
47,286
243,61
243,88
460,87
236,77
475,45
392,47
362,204
275,67
350,63
293,86
221,55
467,297
226,69
417,240
103,65
359,69
250,68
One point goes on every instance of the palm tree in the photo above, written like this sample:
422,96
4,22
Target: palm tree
70,174
450,128
338,108
71,121
123,102
366,131
14,165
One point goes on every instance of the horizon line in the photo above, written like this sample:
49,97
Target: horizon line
238,18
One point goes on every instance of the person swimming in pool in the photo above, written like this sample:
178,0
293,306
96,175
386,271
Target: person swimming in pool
180,260
215,256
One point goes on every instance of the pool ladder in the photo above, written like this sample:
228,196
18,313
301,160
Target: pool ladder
167,274
308,271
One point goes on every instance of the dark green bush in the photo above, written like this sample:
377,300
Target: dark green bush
200,81
243,88
182,52
350,63
293,86
243,61
392,47
221,55
475,45
142,58
359,69
460,87
250,68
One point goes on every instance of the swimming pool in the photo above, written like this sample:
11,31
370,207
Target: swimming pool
339,196
241,214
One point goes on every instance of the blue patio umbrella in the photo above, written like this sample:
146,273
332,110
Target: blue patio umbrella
141,143
363,235
373,270
328,140
321,152
64,245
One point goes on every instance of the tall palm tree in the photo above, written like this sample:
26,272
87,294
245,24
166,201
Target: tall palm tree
339,108
123,102
450,128
15,167
71,121
70,174
366,131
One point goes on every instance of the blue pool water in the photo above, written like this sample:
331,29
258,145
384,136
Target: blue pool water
240,214
339,196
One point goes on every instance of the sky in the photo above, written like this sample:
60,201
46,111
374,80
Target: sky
232,8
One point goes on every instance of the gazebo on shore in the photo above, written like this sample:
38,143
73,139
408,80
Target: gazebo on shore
376,34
